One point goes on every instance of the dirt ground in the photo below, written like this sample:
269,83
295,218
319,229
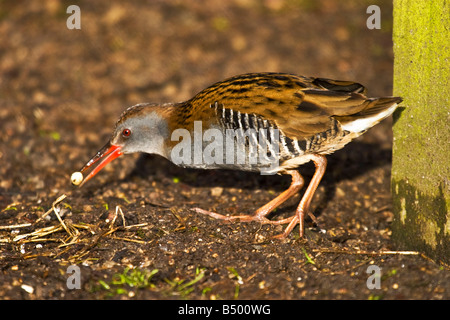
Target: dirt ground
61,92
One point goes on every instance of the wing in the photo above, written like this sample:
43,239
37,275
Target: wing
299,106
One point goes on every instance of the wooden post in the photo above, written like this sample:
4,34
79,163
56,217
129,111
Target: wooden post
421,152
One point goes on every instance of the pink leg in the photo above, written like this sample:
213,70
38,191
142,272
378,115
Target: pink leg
261,213
321,164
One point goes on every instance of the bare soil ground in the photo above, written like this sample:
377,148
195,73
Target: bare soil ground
131,230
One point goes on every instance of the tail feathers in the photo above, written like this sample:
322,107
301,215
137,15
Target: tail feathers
377,109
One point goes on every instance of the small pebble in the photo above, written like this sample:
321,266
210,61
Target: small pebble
27,288
216,191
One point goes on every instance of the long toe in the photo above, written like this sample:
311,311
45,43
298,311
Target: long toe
245,218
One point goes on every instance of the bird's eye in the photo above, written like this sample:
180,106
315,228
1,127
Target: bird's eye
126,133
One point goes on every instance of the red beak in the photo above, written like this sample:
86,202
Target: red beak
105,155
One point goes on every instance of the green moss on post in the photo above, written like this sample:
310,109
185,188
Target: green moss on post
421,153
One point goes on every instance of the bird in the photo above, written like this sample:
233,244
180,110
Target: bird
289,119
